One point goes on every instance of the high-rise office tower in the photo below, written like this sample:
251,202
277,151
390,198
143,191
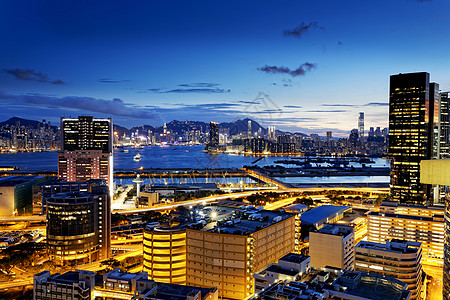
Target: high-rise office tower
86,150
434,121
371,132
353,138
361,125
214,135
249,128
79,226
409,115
378,132
445,126
434,134
384,132
329,136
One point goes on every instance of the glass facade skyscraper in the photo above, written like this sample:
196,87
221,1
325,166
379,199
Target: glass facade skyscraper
79,226
445,126
214,134
409,118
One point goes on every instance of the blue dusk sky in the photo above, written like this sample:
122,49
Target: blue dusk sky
306,66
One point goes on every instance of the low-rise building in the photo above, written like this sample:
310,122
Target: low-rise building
395,258
73,284
332,284
87,285
320,215
148,199
332,245
290,267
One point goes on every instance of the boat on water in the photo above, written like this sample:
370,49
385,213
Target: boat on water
125,150
137,157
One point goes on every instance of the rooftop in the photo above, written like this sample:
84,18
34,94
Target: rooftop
280,270
294,258
226,219
69,277
336,229
322,214
71,197
394,245
296,207
178,292
400,205
323,282
408,217
16,180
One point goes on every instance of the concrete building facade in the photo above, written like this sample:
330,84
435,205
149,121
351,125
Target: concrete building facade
396,258
438,172
209,255
86,150
332,245
16,194
114,285
429,231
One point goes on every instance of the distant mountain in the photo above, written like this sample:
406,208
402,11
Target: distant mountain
142,129
234,128
241,126
179,126
23,122
120,130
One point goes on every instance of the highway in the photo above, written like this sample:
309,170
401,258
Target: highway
15,284
279,204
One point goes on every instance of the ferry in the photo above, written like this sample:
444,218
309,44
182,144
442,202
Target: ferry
137,157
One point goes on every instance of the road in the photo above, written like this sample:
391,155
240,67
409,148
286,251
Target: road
15,284
118,203
280,203
434,289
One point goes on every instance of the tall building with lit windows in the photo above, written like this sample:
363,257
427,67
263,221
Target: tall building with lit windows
361,126
409,118
79,226
86,149
437,172
418,224
213,135
445,126
434,133
223,253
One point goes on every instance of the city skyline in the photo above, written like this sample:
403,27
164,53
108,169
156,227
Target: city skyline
295,65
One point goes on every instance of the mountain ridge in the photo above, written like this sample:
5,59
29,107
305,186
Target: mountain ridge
234,127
